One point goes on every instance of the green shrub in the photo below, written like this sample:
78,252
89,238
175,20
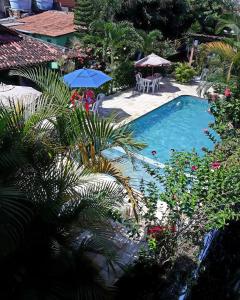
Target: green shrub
184,73
124,75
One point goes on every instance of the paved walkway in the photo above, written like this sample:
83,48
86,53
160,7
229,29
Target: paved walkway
130,104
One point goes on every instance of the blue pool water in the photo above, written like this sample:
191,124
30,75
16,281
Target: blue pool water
176,125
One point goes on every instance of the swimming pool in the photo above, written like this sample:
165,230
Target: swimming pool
177,125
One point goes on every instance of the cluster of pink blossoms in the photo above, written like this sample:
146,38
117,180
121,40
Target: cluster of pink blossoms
158,229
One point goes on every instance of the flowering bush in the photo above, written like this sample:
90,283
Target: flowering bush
200,193
226,110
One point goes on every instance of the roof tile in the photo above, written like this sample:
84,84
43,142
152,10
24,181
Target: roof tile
51,23
21,50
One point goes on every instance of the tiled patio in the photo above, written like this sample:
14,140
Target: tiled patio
131,104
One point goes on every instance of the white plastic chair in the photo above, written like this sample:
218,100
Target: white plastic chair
138,81
159,83
142,85
98,104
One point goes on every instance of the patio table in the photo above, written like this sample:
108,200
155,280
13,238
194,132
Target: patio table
152,77
151,82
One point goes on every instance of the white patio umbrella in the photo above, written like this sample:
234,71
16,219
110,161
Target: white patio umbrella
152,60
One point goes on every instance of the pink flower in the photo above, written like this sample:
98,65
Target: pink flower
159,229
214,97
227,92
205,130
215,165
154,152
194,168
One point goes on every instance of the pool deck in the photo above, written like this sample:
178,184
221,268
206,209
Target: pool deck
130,104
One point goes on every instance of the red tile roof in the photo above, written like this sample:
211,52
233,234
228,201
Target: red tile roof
67,3
50,23
17,50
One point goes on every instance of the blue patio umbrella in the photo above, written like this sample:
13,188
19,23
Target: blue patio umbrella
86,78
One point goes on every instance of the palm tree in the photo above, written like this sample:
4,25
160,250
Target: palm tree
118,41
48,205
151,40
227,50
86,135
228,53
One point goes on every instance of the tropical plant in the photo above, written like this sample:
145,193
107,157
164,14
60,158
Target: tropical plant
84,13
226,111
124,75
107,8
229,24
196,196
228,53
151,40
184,73
117,41
90,133
48,205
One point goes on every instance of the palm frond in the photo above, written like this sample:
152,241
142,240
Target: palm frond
90,129
15,213
102,165
223,49
50,83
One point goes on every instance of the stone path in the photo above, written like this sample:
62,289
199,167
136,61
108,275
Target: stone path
130,104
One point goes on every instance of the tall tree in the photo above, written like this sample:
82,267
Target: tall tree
108,8
83,15
118,41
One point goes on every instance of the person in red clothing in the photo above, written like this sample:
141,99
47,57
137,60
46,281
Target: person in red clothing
89,98
75,97
89,94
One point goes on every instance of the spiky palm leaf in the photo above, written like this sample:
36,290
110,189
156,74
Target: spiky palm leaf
50,83
92,130
227,52
90,133
16,121
150,40
15,214
63,203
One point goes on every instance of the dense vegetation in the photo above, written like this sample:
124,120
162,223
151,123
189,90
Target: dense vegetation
54,213
120,31
58,213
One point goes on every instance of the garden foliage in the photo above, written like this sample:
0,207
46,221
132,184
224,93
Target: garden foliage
184,73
